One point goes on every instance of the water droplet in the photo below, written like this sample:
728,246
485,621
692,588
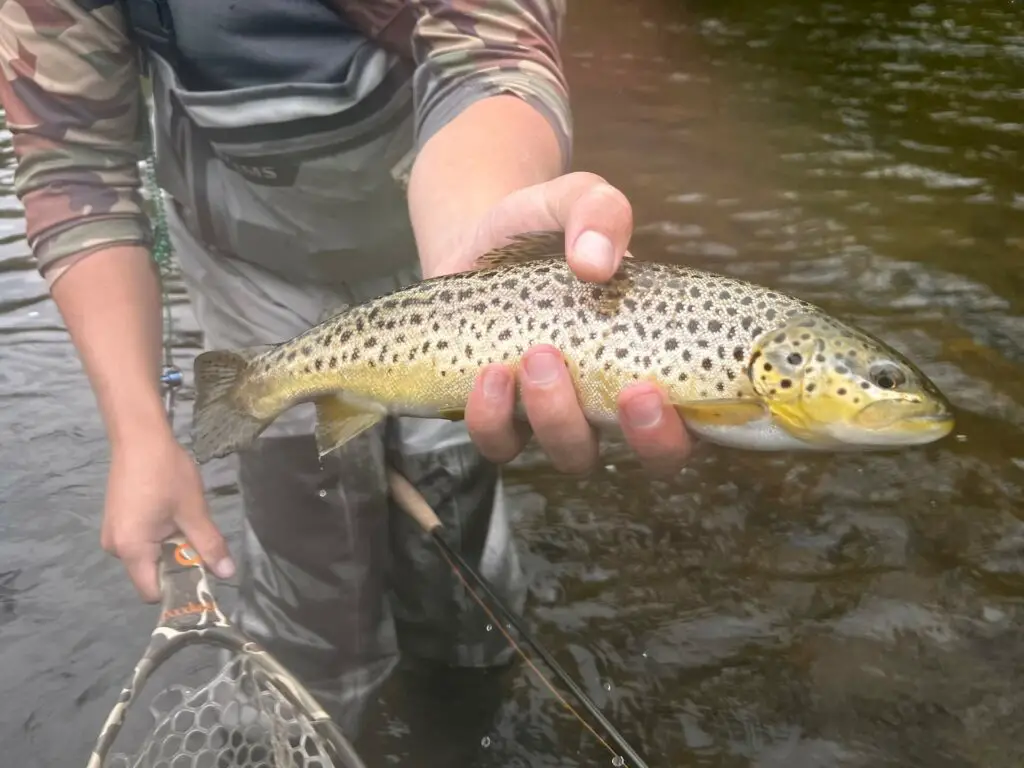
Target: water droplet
323,494
607,686
490,627
618,761
485,742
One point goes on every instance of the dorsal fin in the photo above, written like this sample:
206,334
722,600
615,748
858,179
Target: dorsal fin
528,246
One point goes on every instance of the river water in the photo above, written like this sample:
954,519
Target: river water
755,610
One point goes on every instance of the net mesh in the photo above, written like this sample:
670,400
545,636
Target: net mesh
237,720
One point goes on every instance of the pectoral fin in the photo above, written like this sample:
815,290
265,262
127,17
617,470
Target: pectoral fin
337,422
721,413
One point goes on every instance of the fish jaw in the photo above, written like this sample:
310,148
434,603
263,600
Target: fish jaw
763,434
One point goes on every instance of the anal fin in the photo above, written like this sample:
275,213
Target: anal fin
726,412
338,422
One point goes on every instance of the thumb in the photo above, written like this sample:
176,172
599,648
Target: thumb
596,217
194,520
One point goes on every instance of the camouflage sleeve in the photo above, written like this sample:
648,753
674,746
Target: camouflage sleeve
71,92
468,50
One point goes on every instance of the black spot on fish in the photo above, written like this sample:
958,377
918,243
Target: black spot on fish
360,325
865,385
695,292
442,344
621,353
842,370
785,383
693,326
545,303
770,314
738,354
505,335
707,364
809,387
746,301
292,355
683,376
307,351
686,355
720,386
768,367
724,295
345,336
662,308
841,391
794,358
714,326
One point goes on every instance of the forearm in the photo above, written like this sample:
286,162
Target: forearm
496,146
110,302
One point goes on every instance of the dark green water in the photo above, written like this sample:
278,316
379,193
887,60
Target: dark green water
761,611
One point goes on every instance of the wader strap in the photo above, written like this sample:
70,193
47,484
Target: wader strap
389,23
151,24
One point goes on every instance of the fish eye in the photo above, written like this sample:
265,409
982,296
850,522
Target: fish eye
887,376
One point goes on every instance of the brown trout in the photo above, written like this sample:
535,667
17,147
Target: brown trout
745,366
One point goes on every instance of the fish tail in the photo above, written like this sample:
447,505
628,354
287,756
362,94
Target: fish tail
222,421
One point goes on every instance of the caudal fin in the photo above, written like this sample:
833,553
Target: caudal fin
221,421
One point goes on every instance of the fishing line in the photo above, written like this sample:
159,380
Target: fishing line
416,506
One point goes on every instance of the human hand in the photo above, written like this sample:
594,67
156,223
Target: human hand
154,490
598,222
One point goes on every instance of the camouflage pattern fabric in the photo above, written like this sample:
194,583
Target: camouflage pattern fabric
72,96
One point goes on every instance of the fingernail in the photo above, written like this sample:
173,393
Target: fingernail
225,568
542,367
596,250
644,411
495,384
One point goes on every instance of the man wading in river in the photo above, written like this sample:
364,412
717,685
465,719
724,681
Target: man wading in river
281,128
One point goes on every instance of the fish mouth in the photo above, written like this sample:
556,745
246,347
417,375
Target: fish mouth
895,422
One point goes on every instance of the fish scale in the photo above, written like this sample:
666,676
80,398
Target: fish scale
418,351
689,330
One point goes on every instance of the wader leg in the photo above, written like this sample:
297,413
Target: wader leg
437,619
322,547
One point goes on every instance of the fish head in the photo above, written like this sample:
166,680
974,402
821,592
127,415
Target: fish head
833,386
